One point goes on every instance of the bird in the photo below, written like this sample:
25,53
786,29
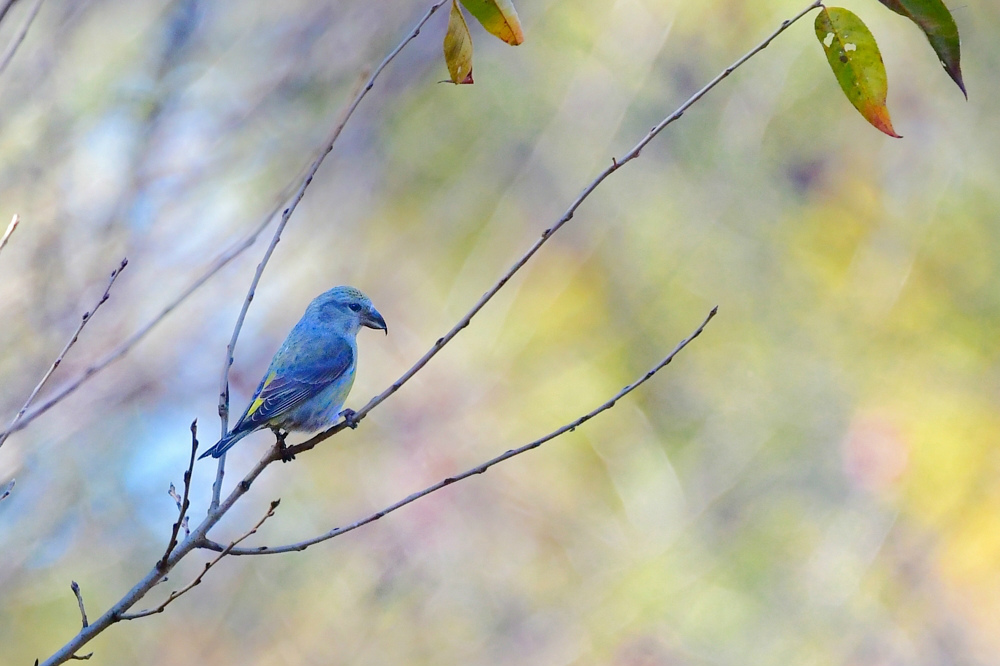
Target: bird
312,372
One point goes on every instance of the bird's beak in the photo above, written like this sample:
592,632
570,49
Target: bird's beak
372,319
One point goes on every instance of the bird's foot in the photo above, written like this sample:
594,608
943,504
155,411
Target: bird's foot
349,419
280,436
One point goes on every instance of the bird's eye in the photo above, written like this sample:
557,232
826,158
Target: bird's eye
356,307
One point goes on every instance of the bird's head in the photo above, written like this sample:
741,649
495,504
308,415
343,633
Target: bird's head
350,306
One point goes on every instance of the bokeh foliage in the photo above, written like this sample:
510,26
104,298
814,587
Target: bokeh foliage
815,480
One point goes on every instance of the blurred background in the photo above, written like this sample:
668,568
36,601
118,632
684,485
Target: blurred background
815,480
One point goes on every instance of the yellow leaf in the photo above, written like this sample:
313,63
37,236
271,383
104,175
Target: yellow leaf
498,17
458,46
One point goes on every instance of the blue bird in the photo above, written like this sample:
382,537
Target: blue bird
313,371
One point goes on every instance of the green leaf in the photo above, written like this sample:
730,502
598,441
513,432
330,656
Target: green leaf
856,62
498,17
937,23
458,46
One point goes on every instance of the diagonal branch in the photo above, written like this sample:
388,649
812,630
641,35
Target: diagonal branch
70,387
155,575
5,7
87,316
19,37
479,469
285,215
208,565
616,164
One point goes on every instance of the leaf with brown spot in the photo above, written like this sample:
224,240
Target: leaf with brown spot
857,63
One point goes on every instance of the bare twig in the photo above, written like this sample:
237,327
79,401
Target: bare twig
73,585
19,37
87,316
156,575
479,469
10,229
182,503
224,392
208,565
70,387
285,215
238,327
616,164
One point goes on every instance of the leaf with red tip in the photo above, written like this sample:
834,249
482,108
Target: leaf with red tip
936,21
458,46
498,17
857,63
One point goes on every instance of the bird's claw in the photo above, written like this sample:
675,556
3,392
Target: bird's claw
280,436
348,415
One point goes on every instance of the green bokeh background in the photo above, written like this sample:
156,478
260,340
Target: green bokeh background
816,480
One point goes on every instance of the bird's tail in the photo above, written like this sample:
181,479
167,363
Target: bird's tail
224,444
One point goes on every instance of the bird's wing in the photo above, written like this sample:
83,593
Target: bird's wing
284,389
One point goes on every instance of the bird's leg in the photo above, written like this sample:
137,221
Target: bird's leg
348,415
279,436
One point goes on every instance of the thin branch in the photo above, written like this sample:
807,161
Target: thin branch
19,37
220,262
70,387
10,228
73,585
479,469
250,240
87,316
285,215
5,7
208,565
616,164
183,503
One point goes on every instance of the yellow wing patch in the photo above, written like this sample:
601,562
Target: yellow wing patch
255,405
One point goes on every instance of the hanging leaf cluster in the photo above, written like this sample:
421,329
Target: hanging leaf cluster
497,16
856,61
849,46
